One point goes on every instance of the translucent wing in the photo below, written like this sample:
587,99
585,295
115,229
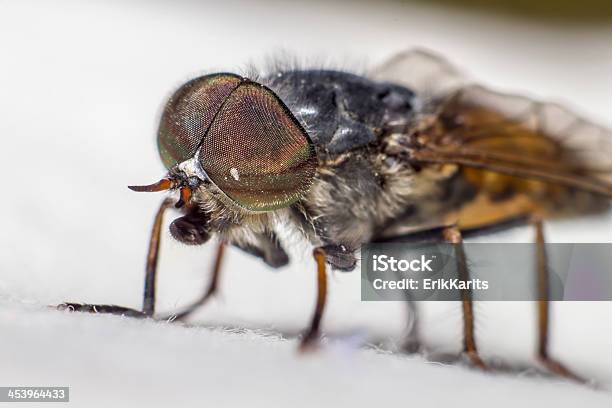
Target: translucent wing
472,126
428,74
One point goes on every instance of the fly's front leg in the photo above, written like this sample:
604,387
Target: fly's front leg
148,306
544,308
453,235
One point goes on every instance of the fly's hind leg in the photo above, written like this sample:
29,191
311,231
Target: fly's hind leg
543,303
412,343
148,306
453,236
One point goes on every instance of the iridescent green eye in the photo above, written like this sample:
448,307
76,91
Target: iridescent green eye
188,114
250,145
256,152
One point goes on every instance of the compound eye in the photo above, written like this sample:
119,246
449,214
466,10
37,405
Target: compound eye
256,152
188,114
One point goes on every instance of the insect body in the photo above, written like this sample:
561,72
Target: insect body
348,160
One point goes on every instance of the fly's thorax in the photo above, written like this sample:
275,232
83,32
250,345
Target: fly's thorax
343,111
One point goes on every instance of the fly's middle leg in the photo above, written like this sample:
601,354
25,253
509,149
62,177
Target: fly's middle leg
310,339
210,291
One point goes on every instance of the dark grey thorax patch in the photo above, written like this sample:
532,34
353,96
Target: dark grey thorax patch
342,111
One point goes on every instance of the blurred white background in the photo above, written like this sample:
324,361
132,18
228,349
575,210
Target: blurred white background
81,86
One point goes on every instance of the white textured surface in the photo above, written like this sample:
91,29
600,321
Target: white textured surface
106,360
81,84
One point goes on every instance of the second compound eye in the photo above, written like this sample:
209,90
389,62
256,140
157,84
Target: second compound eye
256,152
189,113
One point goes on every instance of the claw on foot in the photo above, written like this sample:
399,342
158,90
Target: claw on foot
413,346
76,307
310,343
107,309
475,360
559,369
